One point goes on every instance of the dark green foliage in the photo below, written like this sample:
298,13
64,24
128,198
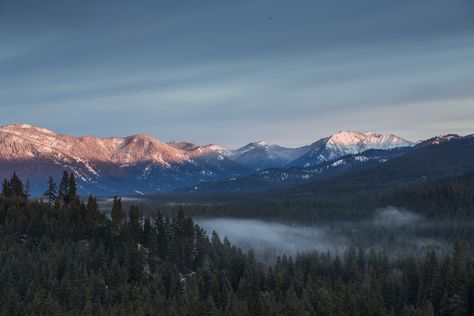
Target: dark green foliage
63,190
6,191
16,186
117,213
66,194
50,193
72,193
447,198
74,261
27,188
93,213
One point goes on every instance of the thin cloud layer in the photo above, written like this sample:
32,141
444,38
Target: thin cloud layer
288,72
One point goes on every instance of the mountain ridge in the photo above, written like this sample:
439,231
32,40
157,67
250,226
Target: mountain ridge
118,165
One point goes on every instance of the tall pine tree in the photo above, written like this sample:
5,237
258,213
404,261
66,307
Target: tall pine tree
72,193
63,190
6,190
16,186
117,213
51,192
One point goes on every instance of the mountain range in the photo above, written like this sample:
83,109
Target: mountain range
140,164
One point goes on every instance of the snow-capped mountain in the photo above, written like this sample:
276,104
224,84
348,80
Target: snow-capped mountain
345,143
435,158
140,163
109,165
260,155
439,140
285,177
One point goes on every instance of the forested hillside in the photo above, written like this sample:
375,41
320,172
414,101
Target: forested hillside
63,257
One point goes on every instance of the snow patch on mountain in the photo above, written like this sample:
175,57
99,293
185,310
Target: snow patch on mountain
438,140
347,143
356,142
114,164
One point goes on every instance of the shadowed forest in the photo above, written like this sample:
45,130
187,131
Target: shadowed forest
62,256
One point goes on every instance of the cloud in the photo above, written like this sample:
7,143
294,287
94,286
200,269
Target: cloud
187,72
391,217
401,231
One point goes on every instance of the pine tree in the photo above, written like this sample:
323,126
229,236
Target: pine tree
6,189
134,222
411,281
236,307
376,302
427,309
51,192
456,306
444,305
351,268
117,213
161,245
184,237
294,306
16,186
459,270
63,190
27,188
72,193
93,214
147,232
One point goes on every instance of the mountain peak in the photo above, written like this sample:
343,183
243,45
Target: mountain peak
253,145
26,128
380,141
258,145
438,140
348,137
348,142
183,145
214,147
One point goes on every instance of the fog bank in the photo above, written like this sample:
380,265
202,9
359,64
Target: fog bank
390,228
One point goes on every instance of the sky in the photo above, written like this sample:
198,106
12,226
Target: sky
230,72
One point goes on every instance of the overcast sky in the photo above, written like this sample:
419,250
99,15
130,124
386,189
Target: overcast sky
231,72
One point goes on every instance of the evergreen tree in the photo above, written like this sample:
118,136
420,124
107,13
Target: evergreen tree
161,245
147,232
134,225
376,301
6,189
16,186
93,214
456,306
63,191
427,309
72,193
51,192
184,236
444,305
27,188
117,213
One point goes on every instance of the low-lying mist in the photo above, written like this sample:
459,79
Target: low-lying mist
397,231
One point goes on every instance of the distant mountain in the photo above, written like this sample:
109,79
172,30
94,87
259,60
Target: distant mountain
435,158
129,165
140,164
438,140
454,156
346,143
260,155
286,177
